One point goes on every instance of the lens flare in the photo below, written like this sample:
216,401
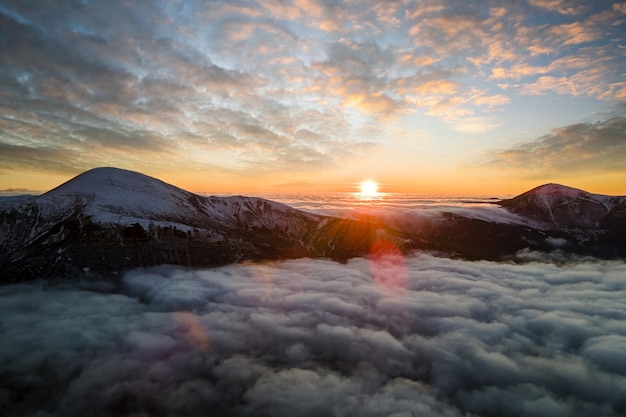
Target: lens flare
193,330
388,266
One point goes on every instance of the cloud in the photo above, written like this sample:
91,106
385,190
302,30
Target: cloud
411,214
13,156
158,83
314,337
10,192
119,96
621,7
543,55
575,33
560,6
578,148
474,125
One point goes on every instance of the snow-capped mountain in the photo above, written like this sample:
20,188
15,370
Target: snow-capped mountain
107,219
565,207
117,196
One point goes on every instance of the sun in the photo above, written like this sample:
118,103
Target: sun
369,188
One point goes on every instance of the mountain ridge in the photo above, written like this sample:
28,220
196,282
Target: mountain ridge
108,220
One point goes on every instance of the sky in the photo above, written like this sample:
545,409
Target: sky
433,337
421,96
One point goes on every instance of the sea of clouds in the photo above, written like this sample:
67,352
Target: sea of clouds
385,336
406,212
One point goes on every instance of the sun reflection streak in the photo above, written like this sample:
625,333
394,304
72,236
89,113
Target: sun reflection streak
388,266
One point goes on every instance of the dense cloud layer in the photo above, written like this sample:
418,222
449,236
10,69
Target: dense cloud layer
387,336
406,212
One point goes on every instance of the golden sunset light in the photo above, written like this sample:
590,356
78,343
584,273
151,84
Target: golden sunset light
369,188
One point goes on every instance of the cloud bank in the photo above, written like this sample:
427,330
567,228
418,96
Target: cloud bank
583,148
406,212
386,336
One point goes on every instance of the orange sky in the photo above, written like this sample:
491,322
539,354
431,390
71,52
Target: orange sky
202,182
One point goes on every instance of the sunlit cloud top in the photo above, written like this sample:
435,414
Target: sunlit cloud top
268,90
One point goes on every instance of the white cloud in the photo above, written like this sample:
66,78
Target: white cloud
308,337
473,125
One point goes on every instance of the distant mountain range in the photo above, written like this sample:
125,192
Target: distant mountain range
108,220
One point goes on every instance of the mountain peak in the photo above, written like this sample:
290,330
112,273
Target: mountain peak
112,193
562,206
553,189
100,180
117,196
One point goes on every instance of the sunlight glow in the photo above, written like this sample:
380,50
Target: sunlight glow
369,188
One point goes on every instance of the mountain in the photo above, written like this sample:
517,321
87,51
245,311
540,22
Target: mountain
107,220
567,208
593,224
